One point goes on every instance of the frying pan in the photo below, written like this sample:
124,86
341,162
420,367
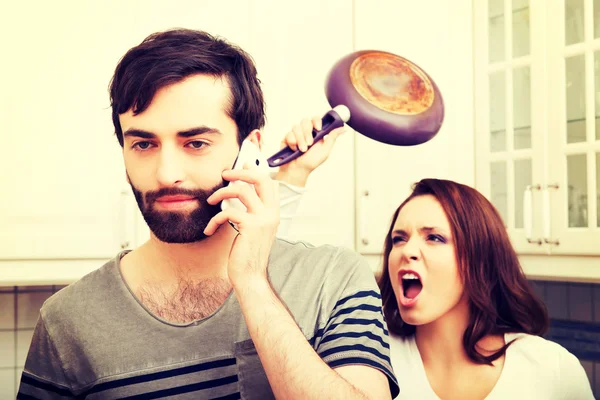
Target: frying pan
380,95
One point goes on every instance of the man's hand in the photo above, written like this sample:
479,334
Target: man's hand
300,138
256,227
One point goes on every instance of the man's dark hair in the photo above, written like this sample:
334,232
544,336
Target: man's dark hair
165,58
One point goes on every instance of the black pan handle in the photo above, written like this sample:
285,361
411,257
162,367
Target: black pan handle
333,119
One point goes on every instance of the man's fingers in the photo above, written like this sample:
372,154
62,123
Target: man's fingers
263,184
231,214
241,191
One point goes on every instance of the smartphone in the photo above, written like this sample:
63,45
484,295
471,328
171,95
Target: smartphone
249,152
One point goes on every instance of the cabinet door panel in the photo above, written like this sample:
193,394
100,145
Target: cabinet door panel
575,141
510,111
444,51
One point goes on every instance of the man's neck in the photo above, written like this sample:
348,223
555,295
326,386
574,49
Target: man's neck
181,283
169,263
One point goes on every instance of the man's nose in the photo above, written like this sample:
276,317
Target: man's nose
170,169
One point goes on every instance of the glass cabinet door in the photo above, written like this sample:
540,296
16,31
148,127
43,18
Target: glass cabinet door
574,148
510,103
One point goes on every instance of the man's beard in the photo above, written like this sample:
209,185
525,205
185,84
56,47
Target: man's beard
175,226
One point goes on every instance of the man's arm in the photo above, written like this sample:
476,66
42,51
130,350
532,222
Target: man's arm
292,366
294,369
43,376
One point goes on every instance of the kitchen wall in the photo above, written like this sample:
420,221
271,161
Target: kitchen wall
573,307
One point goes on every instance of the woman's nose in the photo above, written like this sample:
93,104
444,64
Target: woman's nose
411,251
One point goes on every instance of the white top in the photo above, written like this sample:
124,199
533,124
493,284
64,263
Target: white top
534,368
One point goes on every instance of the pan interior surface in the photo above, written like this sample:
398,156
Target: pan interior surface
392,83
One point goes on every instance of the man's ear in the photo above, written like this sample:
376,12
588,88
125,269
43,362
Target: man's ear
255,137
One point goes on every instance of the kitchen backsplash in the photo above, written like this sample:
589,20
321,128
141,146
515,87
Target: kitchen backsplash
573,307
19,309
574,310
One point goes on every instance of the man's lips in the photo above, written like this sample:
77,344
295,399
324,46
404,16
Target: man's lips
175,202
168,199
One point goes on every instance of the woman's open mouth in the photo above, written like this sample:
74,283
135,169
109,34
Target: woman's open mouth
411,287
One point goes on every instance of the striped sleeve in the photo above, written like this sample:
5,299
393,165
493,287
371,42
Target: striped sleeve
43,376
355,332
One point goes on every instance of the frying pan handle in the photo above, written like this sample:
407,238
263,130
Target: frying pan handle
331,121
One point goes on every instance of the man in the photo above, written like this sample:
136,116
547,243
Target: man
203,310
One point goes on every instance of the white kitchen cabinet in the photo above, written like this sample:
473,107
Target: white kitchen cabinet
62,173
535,108
574,162
437,36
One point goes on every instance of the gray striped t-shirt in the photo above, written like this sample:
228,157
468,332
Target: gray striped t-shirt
95,340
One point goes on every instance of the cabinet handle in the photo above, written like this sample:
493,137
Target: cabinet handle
124,242
362,223
528,213
546,211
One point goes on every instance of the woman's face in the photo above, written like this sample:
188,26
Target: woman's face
422,263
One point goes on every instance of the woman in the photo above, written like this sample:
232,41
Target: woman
463,320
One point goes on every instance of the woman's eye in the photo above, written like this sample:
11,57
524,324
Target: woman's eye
141,146
437,238
196,144
397,239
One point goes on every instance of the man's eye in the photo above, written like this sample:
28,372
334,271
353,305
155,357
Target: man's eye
196,144
141,146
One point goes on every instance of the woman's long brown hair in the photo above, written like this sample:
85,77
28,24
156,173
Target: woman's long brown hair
501,299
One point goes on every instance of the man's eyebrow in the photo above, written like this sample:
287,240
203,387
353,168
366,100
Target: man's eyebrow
132,132
198,131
